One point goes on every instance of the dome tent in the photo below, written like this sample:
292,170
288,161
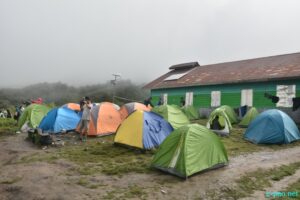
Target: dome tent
72,106
172,114
223,126
272,127
105,119
190,112
129,108
33,114
249,117
142,129
59,119
188,150
230,113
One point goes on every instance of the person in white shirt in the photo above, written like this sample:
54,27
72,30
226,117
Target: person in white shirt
86,106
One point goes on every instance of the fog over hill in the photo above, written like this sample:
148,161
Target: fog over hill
61,93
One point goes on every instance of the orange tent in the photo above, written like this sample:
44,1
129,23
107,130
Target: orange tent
105,119
72,106
129,108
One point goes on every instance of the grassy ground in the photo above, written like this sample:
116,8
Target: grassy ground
294,190
257,180
8,126
100,155
11,181
133,191
97,155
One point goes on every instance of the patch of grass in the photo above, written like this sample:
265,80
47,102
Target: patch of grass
294,188
285,170
209,194
8,126
283,146
258,180
98,155
236,145
37,157
93,186
88,184
102,156
130,192
11,181
134,191
83,182
87,170
110,195
7,122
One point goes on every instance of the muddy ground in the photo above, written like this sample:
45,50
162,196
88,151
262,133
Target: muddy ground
57,180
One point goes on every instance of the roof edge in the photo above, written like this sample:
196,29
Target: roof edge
235,82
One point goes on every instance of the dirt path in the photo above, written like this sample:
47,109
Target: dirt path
36,181
277,186
41,180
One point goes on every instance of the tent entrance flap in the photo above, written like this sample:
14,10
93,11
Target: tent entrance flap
177,153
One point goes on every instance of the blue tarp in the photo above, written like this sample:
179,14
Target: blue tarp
272,127
59,119
155,130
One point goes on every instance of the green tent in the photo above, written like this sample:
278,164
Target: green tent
188,150
172,114
229,112
190,112
250,115
34,114
223,119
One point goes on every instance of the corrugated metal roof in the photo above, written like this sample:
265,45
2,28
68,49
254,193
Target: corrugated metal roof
252,70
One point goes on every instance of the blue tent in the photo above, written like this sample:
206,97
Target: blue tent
272,127
59,119
144,130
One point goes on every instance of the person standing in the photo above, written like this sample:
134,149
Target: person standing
148,102
86,106
160,101
182,102
18,113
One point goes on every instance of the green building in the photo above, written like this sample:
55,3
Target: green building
236,84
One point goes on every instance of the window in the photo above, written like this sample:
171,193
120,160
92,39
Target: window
215,98
189,98
165,98
286,93
247,97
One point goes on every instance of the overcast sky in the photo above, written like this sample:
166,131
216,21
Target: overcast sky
85,41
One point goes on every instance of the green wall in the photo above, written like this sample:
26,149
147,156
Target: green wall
230,93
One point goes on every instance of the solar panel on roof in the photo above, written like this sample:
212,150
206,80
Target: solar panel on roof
175,76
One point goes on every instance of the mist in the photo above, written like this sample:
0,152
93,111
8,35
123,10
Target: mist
84,42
